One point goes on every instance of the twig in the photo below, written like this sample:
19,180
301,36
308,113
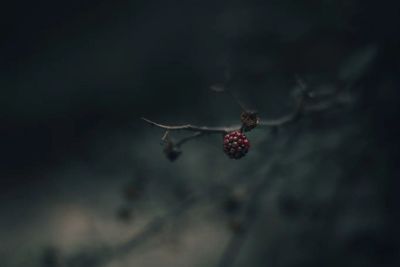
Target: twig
294,116
165,137
236,100
222,130
191,128
303,107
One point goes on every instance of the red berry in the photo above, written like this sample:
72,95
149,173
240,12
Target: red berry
236,145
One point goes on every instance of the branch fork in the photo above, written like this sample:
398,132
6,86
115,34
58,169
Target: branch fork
249,120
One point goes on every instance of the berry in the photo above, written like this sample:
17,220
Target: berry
236,145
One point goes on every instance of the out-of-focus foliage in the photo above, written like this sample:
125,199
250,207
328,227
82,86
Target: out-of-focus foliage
82,176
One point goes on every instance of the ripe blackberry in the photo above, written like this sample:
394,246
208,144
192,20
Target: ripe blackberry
236,145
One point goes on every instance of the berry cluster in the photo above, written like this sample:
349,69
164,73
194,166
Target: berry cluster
236,145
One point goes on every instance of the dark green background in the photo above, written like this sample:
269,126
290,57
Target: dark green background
76,76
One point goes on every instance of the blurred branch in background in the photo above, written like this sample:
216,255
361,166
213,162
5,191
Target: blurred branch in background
105,255
243,226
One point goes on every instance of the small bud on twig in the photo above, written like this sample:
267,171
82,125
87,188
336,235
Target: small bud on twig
171,151
250,120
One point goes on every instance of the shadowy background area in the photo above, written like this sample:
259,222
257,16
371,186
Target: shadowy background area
82,175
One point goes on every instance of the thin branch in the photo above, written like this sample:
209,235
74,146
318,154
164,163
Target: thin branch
220,88
223,130
212,130
165,137
201,130
189,127
224,88
294,116
237,100
302,107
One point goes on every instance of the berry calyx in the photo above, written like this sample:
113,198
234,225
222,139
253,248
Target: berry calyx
236,145
250,120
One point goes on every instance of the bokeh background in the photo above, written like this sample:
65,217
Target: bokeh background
82,175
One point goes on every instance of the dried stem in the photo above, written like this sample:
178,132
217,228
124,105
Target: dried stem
303,107
223,130
237,100
191,128
294,116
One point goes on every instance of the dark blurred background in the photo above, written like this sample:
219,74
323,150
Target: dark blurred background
81,174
